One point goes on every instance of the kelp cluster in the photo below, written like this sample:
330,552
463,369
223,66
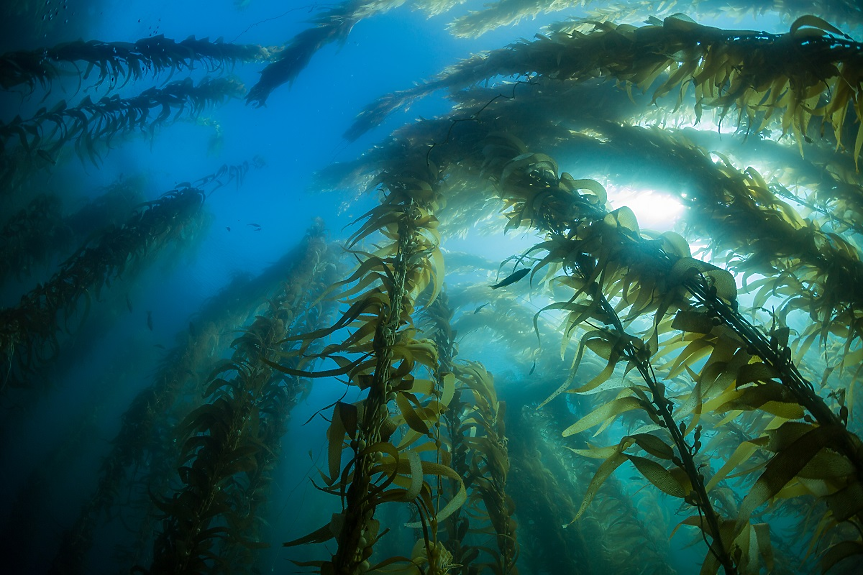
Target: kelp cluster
728,384
91,126
227,443
146,437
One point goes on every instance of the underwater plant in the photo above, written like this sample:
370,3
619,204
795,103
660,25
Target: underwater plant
124,61
28,332
223,451
40,230
739,70
92,125
145,439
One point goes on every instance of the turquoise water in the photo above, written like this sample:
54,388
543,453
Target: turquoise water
63,419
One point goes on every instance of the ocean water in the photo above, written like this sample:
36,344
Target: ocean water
118,427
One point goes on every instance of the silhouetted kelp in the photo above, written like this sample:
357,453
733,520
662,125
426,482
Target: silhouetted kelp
126,61
91,126
28,336
222,452
39,230
145,439
333,25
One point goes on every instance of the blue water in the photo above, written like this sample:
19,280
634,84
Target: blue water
297,133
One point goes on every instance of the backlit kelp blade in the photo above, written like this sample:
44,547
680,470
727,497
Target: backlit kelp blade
740,71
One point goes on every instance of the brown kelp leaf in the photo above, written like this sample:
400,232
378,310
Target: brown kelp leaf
659,476
785,466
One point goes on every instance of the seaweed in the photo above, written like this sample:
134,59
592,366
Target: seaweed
90,125
126,61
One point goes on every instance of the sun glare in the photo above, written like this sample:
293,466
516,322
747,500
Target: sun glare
655,211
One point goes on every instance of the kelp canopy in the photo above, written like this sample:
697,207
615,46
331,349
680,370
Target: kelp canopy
599,311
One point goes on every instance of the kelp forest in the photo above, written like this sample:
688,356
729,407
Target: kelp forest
429,287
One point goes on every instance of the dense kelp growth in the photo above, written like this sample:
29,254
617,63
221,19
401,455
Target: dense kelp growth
569,403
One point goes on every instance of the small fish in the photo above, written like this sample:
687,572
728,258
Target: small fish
159,345
150,320
227,228
258,226
512,278
128,303
476,311
532,369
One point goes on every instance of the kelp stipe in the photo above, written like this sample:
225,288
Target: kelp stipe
381,295
474,424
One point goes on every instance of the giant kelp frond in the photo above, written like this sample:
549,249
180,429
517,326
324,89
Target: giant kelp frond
91,125
728,69
39,230
223,451
506,13
384,356
30,235
121,62
28,336
602,256
333,25
846,12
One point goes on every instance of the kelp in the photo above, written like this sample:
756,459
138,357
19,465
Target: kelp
40,230
223,449
604,256
489,462
747,71
91,126
144,440
474,422
615,534
381,295
333,25
505,13
839,11
121,62
30,235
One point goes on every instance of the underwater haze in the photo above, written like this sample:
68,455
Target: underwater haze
431,287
